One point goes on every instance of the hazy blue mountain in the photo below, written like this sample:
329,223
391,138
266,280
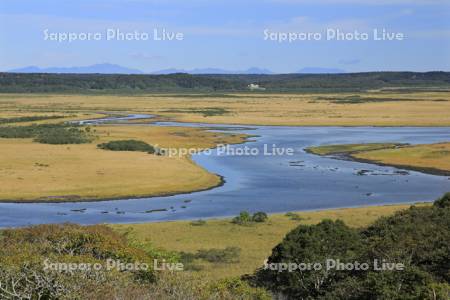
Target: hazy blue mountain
169,71
106,68
318,70
97,68
253,70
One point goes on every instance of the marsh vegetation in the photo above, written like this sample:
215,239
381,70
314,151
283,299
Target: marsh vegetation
430,158
56,134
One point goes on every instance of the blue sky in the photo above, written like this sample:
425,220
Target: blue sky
228,34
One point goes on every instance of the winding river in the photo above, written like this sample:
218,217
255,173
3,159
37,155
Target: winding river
263,182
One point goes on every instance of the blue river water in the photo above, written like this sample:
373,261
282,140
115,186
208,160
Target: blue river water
265,182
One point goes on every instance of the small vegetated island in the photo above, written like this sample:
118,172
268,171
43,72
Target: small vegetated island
430,158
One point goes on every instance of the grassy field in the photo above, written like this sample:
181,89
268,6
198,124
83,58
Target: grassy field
419,157
431,158
31,171
369,109
255,241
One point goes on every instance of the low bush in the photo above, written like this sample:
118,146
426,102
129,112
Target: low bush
260,217
293,216
226,255
236,288
198,222
128,145
245,218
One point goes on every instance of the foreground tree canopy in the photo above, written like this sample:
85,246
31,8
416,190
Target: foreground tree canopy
418,238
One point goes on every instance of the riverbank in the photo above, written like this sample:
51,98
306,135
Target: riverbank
33,172
431,158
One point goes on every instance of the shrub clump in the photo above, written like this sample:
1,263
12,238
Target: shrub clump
293,216
226,255
49,133
199,222
63,136
128,145
260,217
245,218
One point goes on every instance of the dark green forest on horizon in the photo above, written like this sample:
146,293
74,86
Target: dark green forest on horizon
182,82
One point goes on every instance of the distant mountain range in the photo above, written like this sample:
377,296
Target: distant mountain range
97,68
253,70
316,70
106,68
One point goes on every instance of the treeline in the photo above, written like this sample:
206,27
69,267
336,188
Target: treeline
345,82
47,83
103,83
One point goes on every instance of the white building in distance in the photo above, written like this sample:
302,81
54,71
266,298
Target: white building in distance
255,87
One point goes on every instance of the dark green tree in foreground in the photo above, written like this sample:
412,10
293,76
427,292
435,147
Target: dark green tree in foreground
309,245
418,238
